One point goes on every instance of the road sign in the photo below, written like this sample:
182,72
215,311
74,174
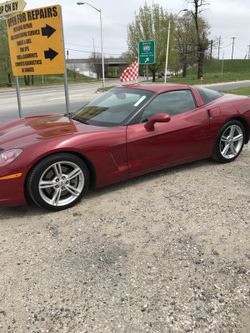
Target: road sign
147,52
11,7
36,42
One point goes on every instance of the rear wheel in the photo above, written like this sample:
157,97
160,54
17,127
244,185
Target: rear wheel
230,141
58,182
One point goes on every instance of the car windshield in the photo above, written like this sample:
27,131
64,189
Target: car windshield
113,108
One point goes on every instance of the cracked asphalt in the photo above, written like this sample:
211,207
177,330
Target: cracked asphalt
166,252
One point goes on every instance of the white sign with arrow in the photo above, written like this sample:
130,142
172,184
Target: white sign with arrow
11,7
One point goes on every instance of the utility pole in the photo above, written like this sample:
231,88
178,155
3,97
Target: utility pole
233,42
219,45
248,52
168,40
211,49
102,52
167,50
222,65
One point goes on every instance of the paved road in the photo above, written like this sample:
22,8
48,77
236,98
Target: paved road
44,100
52,100
229,86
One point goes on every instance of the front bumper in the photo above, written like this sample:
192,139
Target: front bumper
12,192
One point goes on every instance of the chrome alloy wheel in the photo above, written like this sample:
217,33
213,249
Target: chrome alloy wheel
231,141
61,183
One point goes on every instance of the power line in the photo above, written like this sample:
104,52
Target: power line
239,48
91,47
228,45
90,52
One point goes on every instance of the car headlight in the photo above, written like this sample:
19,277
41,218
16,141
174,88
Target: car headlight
9,156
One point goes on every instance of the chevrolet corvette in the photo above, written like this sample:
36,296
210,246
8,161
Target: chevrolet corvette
52,160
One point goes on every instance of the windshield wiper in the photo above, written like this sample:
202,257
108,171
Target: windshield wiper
69,115
80,121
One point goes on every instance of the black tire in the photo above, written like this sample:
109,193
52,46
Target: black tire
65,192
221,142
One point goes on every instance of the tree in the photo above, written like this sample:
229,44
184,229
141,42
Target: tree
186,40
95,62
150,24
28,80
201,34
5,66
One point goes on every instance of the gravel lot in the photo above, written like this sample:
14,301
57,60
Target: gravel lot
166,252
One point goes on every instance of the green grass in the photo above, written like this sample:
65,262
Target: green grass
100,90
48,79
233,70
239,91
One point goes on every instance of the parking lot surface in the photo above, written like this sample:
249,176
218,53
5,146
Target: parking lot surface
166,252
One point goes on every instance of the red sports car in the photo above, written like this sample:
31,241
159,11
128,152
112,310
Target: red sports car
129,131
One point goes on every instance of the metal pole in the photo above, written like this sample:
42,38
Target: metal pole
66,90
219,47
232,55
222,65
211,48
18,95
168,40
167,51
248,52
103,71
66,87
100,11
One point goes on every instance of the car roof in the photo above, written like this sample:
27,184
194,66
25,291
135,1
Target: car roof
156,88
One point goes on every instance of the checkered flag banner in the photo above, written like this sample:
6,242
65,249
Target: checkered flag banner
130,73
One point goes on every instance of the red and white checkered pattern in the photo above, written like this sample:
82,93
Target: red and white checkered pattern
130,73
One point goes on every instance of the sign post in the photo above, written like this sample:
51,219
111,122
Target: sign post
66,87
146,52
19,103
6,9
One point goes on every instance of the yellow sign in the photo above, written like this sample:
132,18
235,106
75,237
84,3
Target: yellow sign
36,42
11,7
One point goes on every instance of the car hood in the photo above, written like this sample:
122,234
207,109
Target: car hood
30,130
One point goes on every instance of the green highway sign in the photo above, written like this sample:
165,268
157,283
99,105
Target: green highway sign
146,52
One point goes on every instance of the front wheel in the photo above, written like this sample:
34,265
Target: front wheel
230,141
58,182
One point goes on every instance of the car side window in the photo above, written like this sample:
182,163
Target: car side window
171,102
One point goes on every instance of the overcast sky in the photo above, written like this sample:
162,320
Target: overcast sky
227,18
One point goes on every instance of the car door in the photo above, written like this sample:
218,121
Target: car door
182,139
